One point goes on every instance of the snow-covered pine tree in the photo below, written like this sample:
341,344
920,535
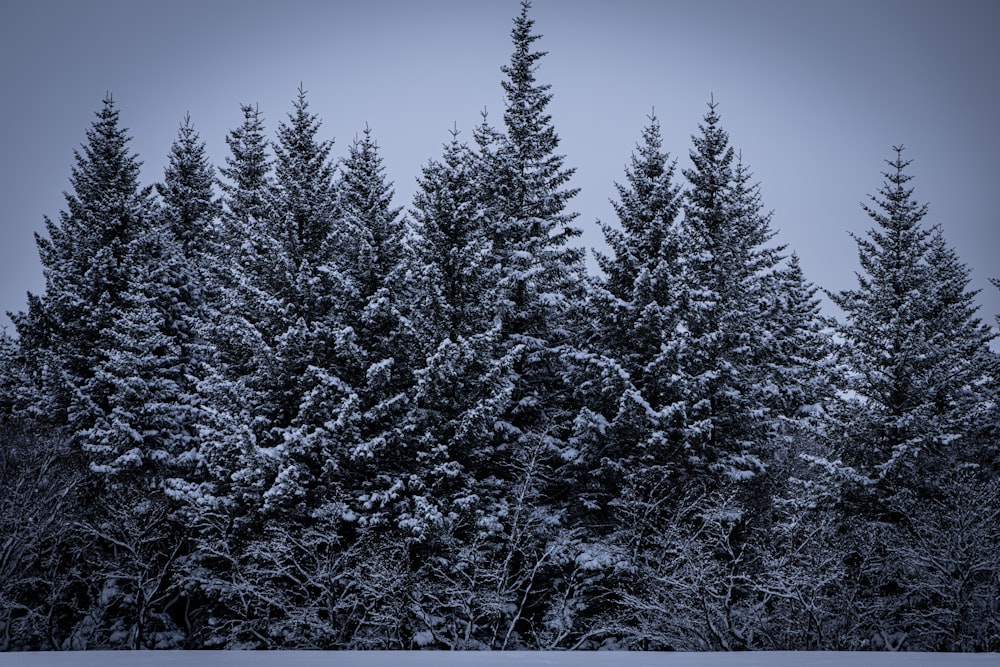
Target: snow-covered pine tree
301,373
637,308
190,207
191,292
510,433
909,418
230,420
373,260
452,256
110,267
379,355
284,413
452,282
461,390
702,443
86,265
112,335
524,181
729,287
913,345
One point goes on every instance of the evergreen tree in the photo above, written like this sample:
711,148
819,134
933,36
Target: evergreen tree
452,254
372,261
190,293
230,421
728,289
508,435
302,375
637,304
365,207
189,204
86,263
912,343
910,414
717,327
523,181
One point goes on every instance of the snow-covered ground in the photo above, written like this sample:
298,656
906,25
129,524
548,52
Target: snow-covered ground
496,659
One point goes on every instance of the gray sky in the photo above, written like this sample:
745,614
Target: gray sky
815,94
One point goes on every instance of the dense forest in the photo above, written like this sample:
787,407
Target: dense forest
263,406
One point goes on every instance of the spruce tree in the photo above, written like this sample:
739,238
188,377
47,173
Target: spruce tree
372,260
514,426
86,264
189,204
637,304
524,181
909,414
728,288
912,342
300,374
696,432
452,254
230,421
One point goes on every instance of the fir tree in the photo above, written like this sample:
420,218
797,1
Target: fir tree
189,203
910,414
524,182
86,263
513,427
912,343
302,372
637,304
229,418
452,254
728,289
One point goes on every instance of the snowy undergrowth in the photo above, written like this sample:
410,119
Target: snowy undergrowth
497,658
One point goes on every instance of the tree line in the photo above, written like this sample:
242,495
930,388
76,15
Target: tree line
261,406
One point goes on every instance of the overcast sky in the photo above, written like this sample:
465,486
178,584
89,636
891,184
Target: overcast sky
815,94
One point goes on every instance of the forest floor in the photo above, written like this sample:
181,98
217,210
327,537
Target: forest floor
491,659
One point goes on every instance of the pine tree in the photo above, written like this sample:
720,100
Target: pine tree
637,304
452,254
508,433
372,261
635,308
189,204
365,206
911,341
910,416
87,265
237,249
303,374
728,290
717,330
523,180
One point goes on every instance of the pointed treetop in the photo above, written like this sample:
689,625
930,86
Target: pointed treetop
528,126
186,189
247,167
105,162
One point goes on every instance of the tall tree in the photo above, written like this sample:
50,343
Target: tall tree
910,415
524,181
86,263
912,342
303,336
704,294
189,203
637,305
511,431
452,254
728,289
